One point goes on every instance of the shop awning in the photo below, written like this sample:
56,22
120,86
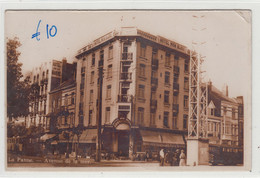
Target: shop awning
47,137
88,136
162,139
54,142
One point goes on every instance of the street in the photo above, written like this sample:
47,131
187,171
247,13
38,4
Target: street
103,163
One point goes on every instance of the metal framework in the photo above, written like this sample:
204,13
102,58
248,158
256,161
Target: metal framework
198,97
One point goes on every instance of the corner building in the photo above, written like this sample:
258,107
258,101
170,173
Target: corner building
144,91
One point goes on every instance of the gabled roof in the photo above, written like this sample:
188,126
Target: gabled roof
67,84
218,94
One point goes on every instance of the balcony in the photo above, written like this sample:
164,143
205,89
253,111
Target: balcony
154,81
176,87
155,64
100,63
82,86
176,69
125,76
124,98
127,57
175,108
153,103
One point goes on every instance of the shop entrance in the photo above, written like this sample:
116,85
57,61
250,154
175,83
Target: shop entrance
123,143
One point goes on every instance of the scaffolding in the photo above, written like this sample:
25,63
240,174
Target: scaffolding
198,93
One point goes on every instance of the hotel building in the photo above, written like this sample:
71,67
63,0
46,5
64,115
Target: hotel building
144,91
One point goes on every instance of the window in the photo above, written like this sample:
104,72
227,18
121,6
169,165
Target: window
152,117
167,60
233,113
165,119
186,83
91,96
109,71
175,78
185,119
142,70
174,122
93,60
143,50
72,98
82,70
107,115
110,52
125,49
140,116
92,77
185,102
66,100
141,91
166,97
108,92
212,111
101,55
186,65
167,78
90,117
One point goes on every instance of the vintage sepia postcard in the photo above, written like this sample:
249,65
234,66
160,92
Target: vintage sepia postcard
160,90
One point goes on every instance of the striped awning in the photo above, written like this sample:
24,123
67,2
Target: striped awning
47,137
162,139
88,136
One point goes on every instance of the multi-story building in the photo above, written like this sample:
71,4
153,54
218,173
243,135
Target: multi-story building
225,118
144,91
44,79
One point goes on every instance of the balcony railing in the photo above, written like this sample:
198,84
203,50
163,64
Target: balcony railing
176,87
127,56
154,81
153,103
155,64
175,107
126,76
82,86
124,98
176,69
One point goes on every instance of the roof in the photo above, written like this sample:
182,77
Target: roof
216,93
134,32
67,84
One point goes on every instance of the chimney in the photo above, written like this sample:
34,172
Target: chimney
210,85
227,90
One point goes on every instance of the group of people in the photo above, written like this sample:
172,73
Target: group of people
176,158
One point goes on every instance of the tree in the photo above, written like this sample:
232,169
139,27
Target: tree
17,90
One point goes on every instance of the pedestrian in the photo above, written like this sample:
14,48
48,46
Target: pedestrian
162,157
178,156
182,158
174,159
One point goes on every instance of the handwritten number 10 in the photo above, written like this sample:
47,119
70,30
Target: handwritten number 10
49,31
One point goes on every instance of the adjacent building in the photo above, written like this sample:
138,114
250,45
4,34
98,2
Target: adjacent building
144,91
43,79
225,118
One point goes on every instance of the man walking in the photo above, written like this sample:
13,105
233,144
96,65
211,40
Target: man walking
162,157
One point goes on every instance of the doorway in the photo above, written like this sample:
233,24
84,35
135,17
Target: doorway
123,143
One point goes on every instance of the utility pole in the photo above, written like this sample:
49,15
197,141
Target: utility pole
99,110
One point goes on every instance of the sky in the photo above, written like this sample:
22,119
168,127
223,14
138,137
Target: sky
225,37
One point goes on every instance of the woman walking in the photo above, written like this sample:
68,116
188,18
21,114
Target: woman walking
182,158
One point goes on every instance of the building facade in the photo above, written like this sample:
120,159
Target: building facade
225,118
144,91
43,79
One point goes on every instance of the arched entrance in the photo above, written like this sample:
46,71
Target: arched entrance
122,128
